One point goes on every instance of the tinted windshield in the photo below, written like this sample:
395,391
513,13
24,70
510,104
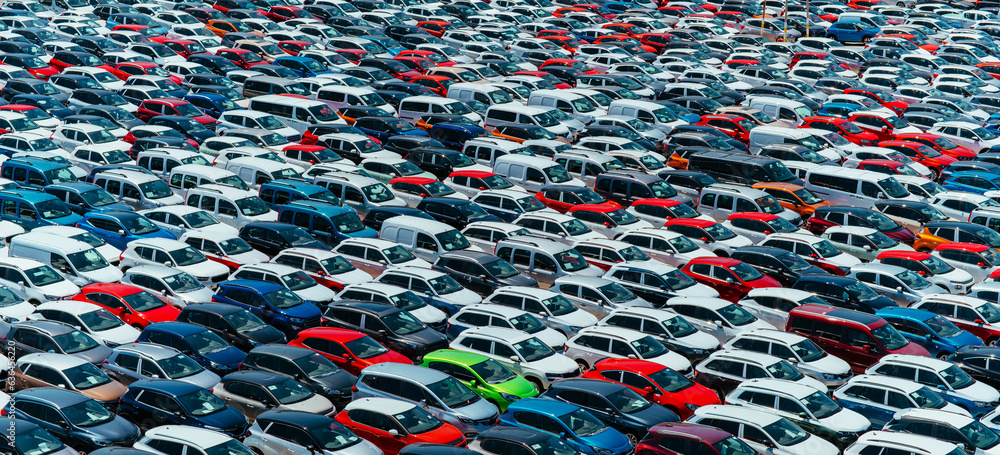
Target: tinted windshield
925,398
180,366
83,377
43,276
785,433
735,315
36,441
582,423
402,323
889,338
252,206
142,301
365,348
206,342
182,282
86,414
820,405
956,378
201,403
571,260
452,393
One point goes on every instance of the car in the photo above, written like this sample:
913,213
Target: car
615,404
120,228
879,398
66,372
33,436
481,272
233,323
405,423
270,237
801,352
663,439
582,431
134,306
774,432
930,267
844,292
200,343
275,304
731,277
484,376
197,439
76,419
91,319
942,421
30,337
946,379
350,350
253,392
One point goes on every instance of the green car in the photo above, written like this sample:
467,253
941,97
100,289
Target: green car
483,375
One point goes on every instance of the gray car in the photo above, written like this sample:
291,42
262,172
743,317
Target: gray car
32,337
597,296
29,438
444,396
136,361
73,417
302,433
254,392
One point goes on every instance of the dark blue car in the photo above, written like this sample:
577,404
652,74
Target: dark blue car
83,198
303,66
615,404
76,419
454,135
199,343
119,228
170,402
271,302
211,104
383,128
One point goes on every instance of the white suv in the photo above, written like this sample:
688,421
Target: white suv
175,254
595,343
232,206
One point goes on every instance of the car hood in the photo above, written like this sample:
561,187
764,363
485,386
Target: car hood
266,334
965,338
363,447
551,337
846,420
671,360
230,356
205,379
699,340
427,336
109,274
197,296
556,363
251,257
120,335
18,311
62,288
428,314
827,364
227,419
520,280
117,429
698,290
461,298
608,438
315,293
114,207
578,318
316,404
305,310
912,349
843,260
338,380
978,392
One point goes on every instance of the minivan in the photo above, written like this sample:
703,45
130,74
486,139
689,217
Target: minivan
721,200
859,338
296,113
741,168
853,187
626,187
543,259
780,108
655,114
75,259
532,173
529,115
573,104
326,222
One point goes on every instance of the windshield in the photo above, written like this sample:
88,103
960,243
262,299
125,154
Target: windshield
36,441
289,391
492,372
956,378
452,393
201,403
182,282
785,433
87,413
745,272
582,423
571,260
402,323
627,402
43,276
925,398
889,338
735,315
83,377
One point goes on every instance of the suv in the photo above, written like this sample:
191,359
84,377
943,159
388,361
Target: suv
667,327
666,246
930,267
155,405
230,205
597,296
137,189
271,302
798,350
522,353
359,192
326,267
438,286
398,297
492,315
31,209
892,442
723,371
327,222
976,316
176,254
686,438
133,362
625,188
552,309
656,282
557,226
394,327
945,378
460,407
593,344
949,427
879,398
291,278
543,259
721,200
782,265
764,431
374,256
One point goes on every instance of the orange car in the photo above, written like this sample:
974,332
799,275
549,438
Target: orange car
222,26
679,158
794,197
930,237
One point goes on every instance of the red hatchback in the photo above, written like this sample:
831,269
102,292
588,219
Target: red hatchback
348,349
243,58
126,70
667,209
846,128
282,13
134,306
881,97
735,126
934,160
677,438
185,48
889,167
939,144
374,419
657,383
173,106
733,279
573,63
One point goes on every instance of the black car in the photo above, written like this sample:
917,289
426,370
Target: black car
202,80
439,161
981,362
429,448
236,325
615,404
782,265
305,366
117,115
503,439
218,65
188,127
31,86
457,213
76,419
481,272
271,237
395,328
691,182
376,216
33,434
397,32
843,292
403,144
302,432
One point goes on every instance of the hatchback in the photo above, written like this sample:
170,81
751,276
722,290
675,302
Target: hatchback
66,372
200,343
348,349
73,417
120,228
392,424
678,438
275,304
579,428
733,278
763,430
233,323
253,392
879,398
483,375
137,361
31,337
946,379
152,403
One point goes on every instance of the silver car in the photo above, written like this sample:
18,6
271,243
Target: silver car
254,392
444,396
136,361
899,284
597,296
302,433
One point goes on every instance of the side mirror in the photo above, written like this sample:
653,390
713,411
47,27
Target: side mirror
814,256
717,322
394,433
922,273
168,264
64,425
346,357
868,347
632,356
704,239
767,232
729,280
981,264
515,359
121,232
607,224
899,289
867,247
979,321
483,277
382,262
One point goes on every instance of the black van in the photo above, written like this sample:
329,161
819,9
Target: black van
741,168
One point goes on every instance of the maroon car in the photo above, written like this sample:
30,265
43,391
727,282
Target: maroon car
689,438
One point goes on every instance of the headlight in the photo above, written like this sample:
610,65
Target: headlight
297,320
958,286
829,377
466,421
691,406
697,351
509,397
980,404
112,344
600,450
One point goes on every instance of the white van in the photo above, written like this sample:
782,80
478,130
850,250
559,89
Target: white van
296,113
79,262
426,239
780,108
486,94
337,96
854,187
414,107
485,150
530,115
185,177
576,105
256,171
532,172
656,115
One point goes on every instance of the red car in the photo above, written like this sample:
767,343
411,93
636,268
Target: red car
62,60
563,198
292,47
185,48
657,383
134,306
676,438
881,97
667,209
573,63
436,28
657,41
34,65
733,279
414,63
173,106
354,55
348,349
548,78
939,144
242,58
846,128
282,13
934,160
991,68
126,70
437,84
567,43
735,126
882,125
887,167
368,419
610,214
34,113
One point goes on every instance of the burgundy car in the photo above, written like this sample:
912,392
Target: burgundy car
689,438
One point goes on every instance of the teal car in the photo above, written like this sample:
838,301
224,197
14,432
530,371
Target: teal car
485,376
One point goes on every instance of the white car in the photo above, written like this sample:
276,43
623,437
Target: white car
176,255
94,137
553,309
770,433
100,324
593,344
523,353
968,135
291,278
397,297
34,281
492,315
177,289
798,350
896,442
959,204
727,319
773,304
800,403
178,219
197,440
669,328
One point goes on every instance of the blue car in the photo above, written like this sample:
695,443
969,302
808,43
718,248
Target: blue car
681,112
63,410
328,223
211,104
170,402
853,32
32,209
977,182
47,103
83,198
615,404
932,331
839,110
579,428
271,302
199,343
119,228
383,128
303,66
